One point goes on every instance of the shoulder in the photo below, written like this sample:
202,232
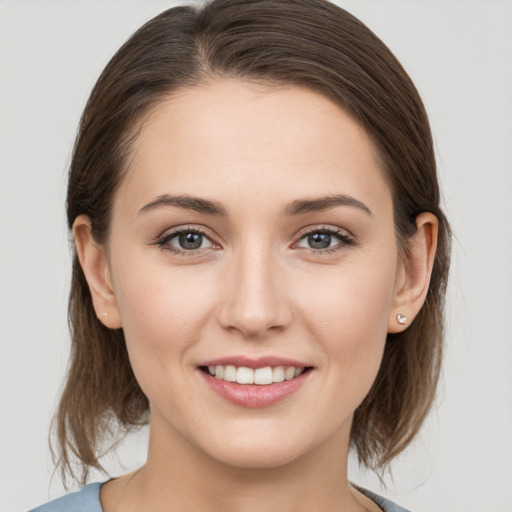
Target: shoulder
85,500
88,500
385,504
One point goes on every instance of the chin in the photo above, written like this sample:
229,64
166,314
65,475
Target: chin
257,457
255,449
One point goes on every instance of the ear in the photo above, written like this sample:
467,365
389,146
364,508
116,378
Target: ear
413,276
95,266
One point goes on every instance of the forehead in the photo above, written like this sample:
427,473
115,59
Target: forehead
228,136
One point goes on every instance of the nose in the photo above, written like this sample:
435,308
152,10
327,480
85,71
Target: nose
254,295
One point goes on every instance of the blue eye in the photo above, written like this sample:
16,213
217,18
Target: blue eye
187,240
325,238
192,241
319,240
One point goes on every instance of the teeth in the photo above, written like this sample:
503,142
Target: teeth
278,374
289,373
230,373
245,375
263,375
260,376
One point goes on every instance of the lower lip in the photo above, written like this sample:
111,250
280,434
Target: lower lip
254,396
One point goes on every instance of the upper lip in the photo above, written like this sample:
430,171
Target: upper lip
259,362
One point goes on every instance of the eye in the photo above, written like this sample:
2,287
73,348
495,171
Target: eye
325,238
185,241
189,241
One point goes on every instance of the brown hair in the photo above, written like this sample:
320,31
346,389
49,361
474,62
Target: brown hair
311,43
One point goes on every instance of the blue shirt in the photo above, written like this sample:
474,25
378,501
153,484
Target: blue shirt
88,500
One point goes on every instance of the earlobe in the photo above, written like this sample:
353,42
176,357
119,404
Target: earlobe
415,273
94,263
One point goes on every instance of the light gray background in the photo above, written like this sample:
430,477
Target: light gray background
459,53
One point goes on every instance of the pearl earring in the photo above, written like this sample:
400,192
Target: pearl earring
401,319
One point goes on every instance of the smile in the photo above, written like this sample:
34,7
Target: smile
254,383
259,376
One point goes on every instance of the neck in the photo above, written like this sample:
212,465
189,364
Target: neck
180,477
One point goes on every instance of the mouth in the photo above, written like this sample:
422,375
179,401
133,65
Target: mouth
263,376
254,383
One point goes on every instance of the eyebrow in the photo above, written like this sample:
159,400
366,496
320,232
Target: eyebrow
197,204
297,207
320,204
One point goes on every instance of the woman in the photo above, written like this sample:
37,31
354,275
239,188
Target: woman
260,266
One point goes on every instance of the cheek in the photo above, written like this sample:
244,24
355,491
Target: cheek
163,311
154,296
347,311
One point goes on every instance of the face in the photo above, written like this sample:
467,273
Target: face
253,236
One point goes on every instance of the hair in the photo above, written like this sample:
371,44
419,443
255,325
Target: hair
309,43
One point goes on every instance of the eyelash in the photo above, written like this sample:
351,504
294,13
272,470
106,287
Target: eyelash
345,241
163,241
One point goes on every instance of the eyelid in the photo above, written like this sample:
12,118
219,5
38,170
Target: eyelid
346,238
176,230
170,233
326,228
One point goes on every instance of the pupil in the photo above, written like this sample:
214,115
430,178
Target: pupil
319,240
190,240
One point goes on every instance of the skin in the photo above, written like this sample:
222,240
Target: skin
254,288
